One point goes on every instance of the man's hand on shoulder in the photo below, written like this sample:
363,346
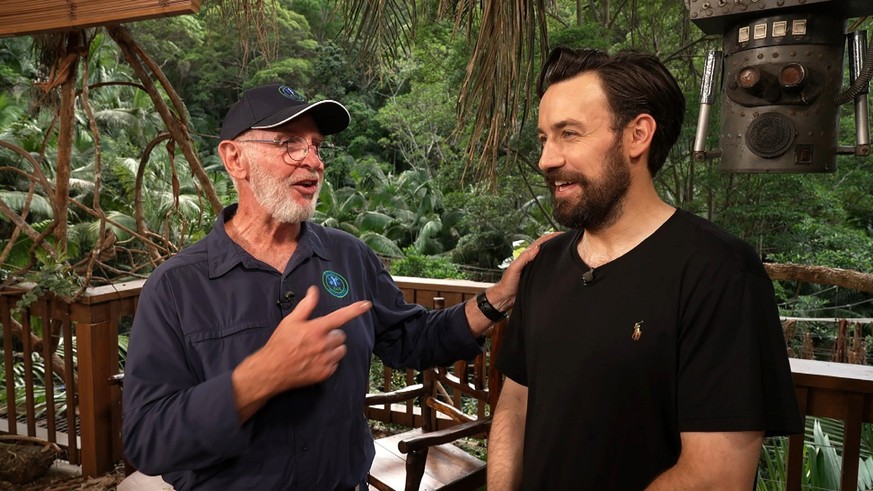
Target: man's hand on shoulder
503,292
502,295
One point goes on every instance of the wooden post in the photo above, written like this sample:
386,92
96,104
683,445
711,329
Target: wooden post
794,471
6,319
852,440
95,396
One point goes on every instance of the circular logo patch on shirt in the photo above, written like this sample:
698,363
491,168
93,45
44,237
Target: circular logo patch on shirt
335,284
289,93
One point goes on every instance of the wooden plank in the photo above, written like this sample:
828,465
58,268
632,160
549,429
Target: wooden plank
828,375
95,400
452,298
425,298
6,304
117,310
73,454
408,294
829,403
26,352
48,331
794,473
852,442
106,293
391,469
462,286
18,17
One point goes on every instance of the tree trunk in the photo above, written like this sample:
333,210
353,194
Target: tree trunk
821,275
66,76
176,125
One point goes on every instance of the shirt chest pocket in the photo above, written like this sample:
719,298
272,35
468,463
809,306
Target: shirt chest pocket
220,350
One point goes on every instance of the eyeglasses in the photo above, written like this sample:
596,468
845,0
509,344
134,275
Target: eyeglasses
297,147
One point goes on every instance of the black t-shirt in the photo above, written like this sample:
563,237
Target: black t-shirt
679,334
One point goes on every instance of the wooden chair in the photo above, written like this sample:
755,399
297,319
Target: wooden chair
425,457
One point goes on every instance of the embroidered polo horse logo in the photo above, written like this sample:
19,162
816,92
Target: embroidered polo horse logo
638,331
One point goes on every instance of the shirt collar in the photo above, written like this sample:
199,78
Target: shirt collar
223,254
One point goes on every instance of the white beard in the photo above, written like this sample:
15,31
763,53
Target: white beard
273,194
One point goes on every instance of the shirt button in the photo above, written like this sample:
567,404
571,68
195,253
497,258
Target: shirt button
304,448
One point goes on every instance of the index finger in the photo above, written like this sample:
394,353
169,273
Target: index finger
343,315
329,321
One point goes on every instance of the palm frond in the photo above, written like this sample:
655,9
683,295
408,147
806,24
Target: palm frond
93,227
502,67
381,244
380,30
373,221
509,37
16,200
254,20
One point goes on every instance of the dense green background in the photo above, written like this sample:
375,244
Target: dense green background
399,177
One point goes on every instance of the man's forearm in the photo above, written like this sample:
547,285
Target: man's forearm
249,392
721,461
506,439
477,320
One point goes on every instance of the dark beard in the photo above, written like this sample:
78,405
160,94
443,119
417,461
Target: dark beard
601,202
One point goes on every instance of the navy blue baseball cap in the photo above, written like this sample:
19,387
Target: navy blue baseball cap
269,106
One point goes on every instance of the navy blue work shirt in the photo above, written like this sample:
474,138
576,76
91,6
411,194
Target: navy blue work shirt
206,309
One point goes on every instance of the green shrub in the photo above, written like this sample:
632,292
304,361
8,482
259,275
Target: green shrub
422,266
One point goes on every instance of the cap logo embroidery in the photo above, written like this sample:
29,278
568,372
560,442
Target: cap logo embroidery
289,93
335,284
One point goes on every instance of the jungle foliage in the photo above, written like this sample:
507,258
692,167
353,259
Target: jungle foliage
434,164
402,177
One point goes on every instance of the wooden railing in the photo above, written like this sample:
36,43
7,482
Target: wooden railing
832,390
425,292
91,424
89,428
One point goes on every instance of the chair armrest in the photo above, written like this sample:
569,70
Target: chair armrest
403,394
433,438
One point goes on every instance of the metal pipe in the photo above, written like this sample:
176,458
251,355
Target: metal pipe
711,70
857,54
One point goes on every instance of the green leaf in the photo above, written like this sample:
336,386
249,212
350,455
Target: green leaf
381,244
373,221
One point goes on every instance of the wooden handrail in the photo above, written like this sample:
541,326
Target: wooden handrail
832,390
92,421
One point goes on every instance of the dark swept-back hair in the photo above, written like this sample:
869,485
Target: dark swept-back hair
634,82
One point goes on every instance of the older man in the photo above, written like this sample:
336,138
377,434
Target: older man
250,350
